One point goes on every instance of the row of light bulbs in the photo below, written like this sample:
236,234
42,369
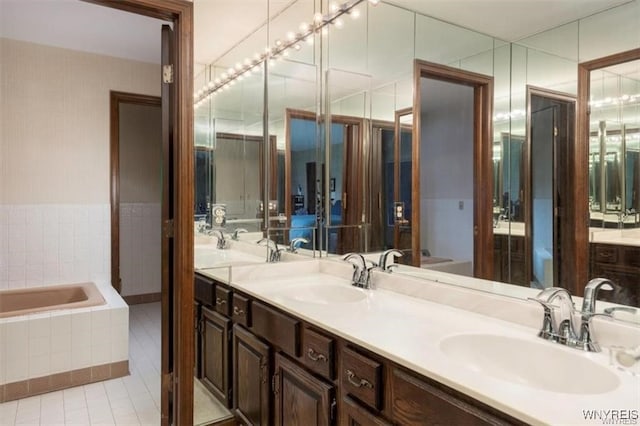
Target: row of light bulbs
281,48
516,113
617,138
619,100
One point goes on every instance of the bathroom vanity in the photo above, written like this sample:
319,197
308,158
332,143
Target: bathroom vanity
284,343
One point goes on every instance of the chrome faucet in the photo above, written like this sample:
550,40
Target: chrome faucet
222,242
585,341
237,231
295,244
361,273
273,252
384,256
563,331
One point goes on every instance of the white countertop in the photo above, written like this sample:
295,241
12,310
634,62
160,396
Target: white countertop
409,330
626,237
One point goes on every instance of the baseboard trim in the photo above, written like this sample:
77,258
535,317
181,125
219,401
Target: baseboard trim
67,379
137,299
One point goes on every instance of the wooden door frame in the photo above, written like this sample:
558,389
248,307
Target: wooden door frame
580,151
482,162
568,246
180,13
115,99
397,140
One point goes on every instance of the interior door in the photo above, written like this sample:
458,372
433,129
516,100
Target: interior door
168,214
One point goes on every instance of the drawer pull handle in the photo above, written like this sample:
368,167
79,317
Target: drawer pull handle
220,301
316,356
357,381
237,311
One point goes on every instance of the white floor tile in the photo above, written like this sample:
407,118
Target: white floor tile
128,401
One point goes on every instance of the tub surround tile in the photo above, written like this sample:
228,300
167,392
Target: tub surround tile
47,244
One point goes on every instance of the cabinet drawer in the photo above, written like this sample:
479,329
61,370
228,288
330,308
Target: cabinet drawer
631,257
223,300
318,353
361,377
279,329
240,311
204,290
605,254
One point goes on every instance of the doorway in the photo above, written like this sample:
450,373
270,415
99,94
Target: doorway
451,214
136,160
550,132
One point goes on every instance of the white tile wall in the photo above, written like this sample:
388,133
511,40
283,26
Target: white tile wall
43,244
140,248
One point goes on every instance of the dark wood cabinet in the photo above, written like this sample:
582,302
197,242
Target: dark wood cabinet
299,397
620,264
417,401
216,333
251,377
352,414
197,329
509,259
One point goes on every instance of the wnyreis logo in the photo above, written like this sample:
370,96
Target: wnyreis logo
612,417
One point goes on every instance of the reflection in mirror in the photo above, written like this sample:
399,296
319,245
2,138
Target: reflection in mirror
363,72
614,178
302,179
550,132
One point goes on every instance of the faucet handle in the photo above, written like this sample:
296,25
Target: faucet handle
546,331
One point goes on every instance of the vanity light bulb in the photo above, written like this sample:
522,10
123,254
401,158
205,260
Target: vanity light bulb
325,31
231,71
309,40
297,47
210,84
223,76
238,66
318,18
291,35
217,81
333,8
278,42
247,62
285,53
338,23
304,27
624,97
374,2
355,13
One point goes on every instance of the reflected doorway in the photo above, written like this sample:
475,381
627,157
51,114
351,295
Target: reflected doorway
550,132
452,170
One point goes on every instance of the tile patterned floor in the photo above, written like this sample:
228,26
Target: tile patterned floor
131,400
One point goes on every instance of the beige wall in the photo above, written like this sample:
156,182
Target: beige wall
54,121
140,153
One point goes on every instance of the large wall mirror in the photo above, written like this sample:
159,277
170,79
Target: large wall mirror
339,130
611,86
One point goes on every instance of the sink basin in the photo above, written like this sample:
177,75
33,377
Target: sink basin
540,365
326,294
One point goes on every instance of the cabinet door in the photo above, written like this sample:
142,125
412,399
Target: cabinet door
352,414
300,398
251,374
215,354
197,316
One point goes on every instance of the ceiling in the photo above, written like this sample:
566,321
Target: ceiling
221,24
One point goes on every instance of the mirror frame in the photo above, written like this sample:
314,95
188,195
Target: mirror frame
482,161
580,204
